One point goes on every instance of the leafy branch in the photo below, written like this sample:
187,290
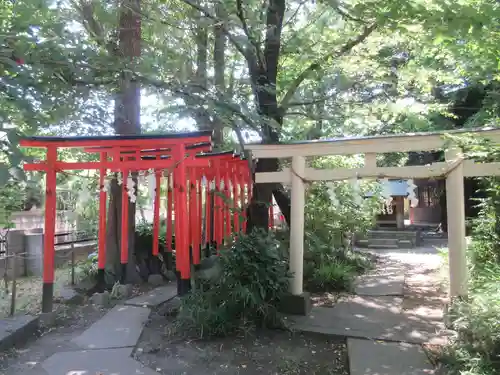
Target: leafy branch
367,30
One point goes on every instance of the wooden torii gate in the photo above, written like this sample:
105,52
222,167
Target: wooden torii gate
454,169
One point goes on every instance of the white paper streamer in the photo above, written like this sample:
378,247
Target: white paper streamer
411,193
356,190
84,195
151,184
106,186
333,196
131,189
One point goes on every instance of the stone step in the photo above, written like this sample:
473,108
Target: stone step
386,358
119,328
101,362
383,242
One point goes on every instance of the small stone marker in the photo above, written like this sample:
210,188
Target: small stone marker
156,280
101,299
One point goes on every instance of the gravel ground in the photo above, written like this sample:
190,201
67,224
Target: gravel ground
262,353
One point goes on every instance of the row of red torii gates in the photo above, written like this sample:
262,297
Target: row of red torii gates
207,194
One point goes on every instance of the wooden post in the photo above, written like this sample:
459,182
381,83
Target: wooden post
371,160
456,226
101,250
156,213
49,232
400,212
124,228
297,225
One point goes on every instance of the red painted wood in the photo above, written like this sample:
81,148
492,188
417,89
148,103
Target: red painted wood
117,165
124,223
193,216
227,206
50,218
199,202
101,252
208,210
181,218
218,218
156,213
236,199
170,207
112,143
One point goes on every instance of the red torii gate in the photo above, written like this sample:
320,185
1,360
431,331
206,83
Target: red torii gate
189,161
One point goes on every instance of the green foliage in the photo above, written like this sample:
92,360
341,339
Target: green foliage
253,280
332,275
11,200
476,348
87,269
330,264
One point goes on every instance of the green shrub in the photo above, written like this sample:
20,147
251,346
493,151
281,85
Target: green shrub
253,280
475,350
333,275
329,262
87,269
327,269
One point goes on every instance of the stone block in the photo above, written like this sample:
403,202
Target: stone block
69,296
386,358
154,297
16,246
34,253
123,291
101,299
121,327
48,320
102,362
296,304
156,280
17,330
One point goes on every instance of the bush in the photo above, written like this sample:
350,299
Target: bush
253,280
333,275
476,348
330,263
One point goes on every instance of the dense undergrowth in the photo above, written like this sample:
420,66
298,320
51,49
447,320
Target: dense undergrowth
247,293
475,350
254,270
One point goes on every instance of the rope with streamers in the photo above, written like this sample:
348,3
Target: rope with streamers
449,169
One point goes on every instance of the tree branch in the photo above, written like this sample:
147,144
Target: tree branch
347,15
246,30
86,10
367,30
207,13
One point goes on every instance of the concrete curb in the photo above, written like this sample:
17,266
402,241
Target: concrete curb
17,330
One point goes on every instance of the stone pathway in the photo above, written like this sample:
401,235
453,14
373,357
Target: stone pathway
105,348
384,336
386,321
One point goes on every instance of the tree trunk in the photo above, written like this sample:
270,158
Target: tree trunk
127,121
264,78
219,71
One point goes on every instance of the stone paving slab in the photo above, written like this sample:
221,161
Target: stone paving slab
155,297
369,317
380,285
92,362
367,357
119,328
16,330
